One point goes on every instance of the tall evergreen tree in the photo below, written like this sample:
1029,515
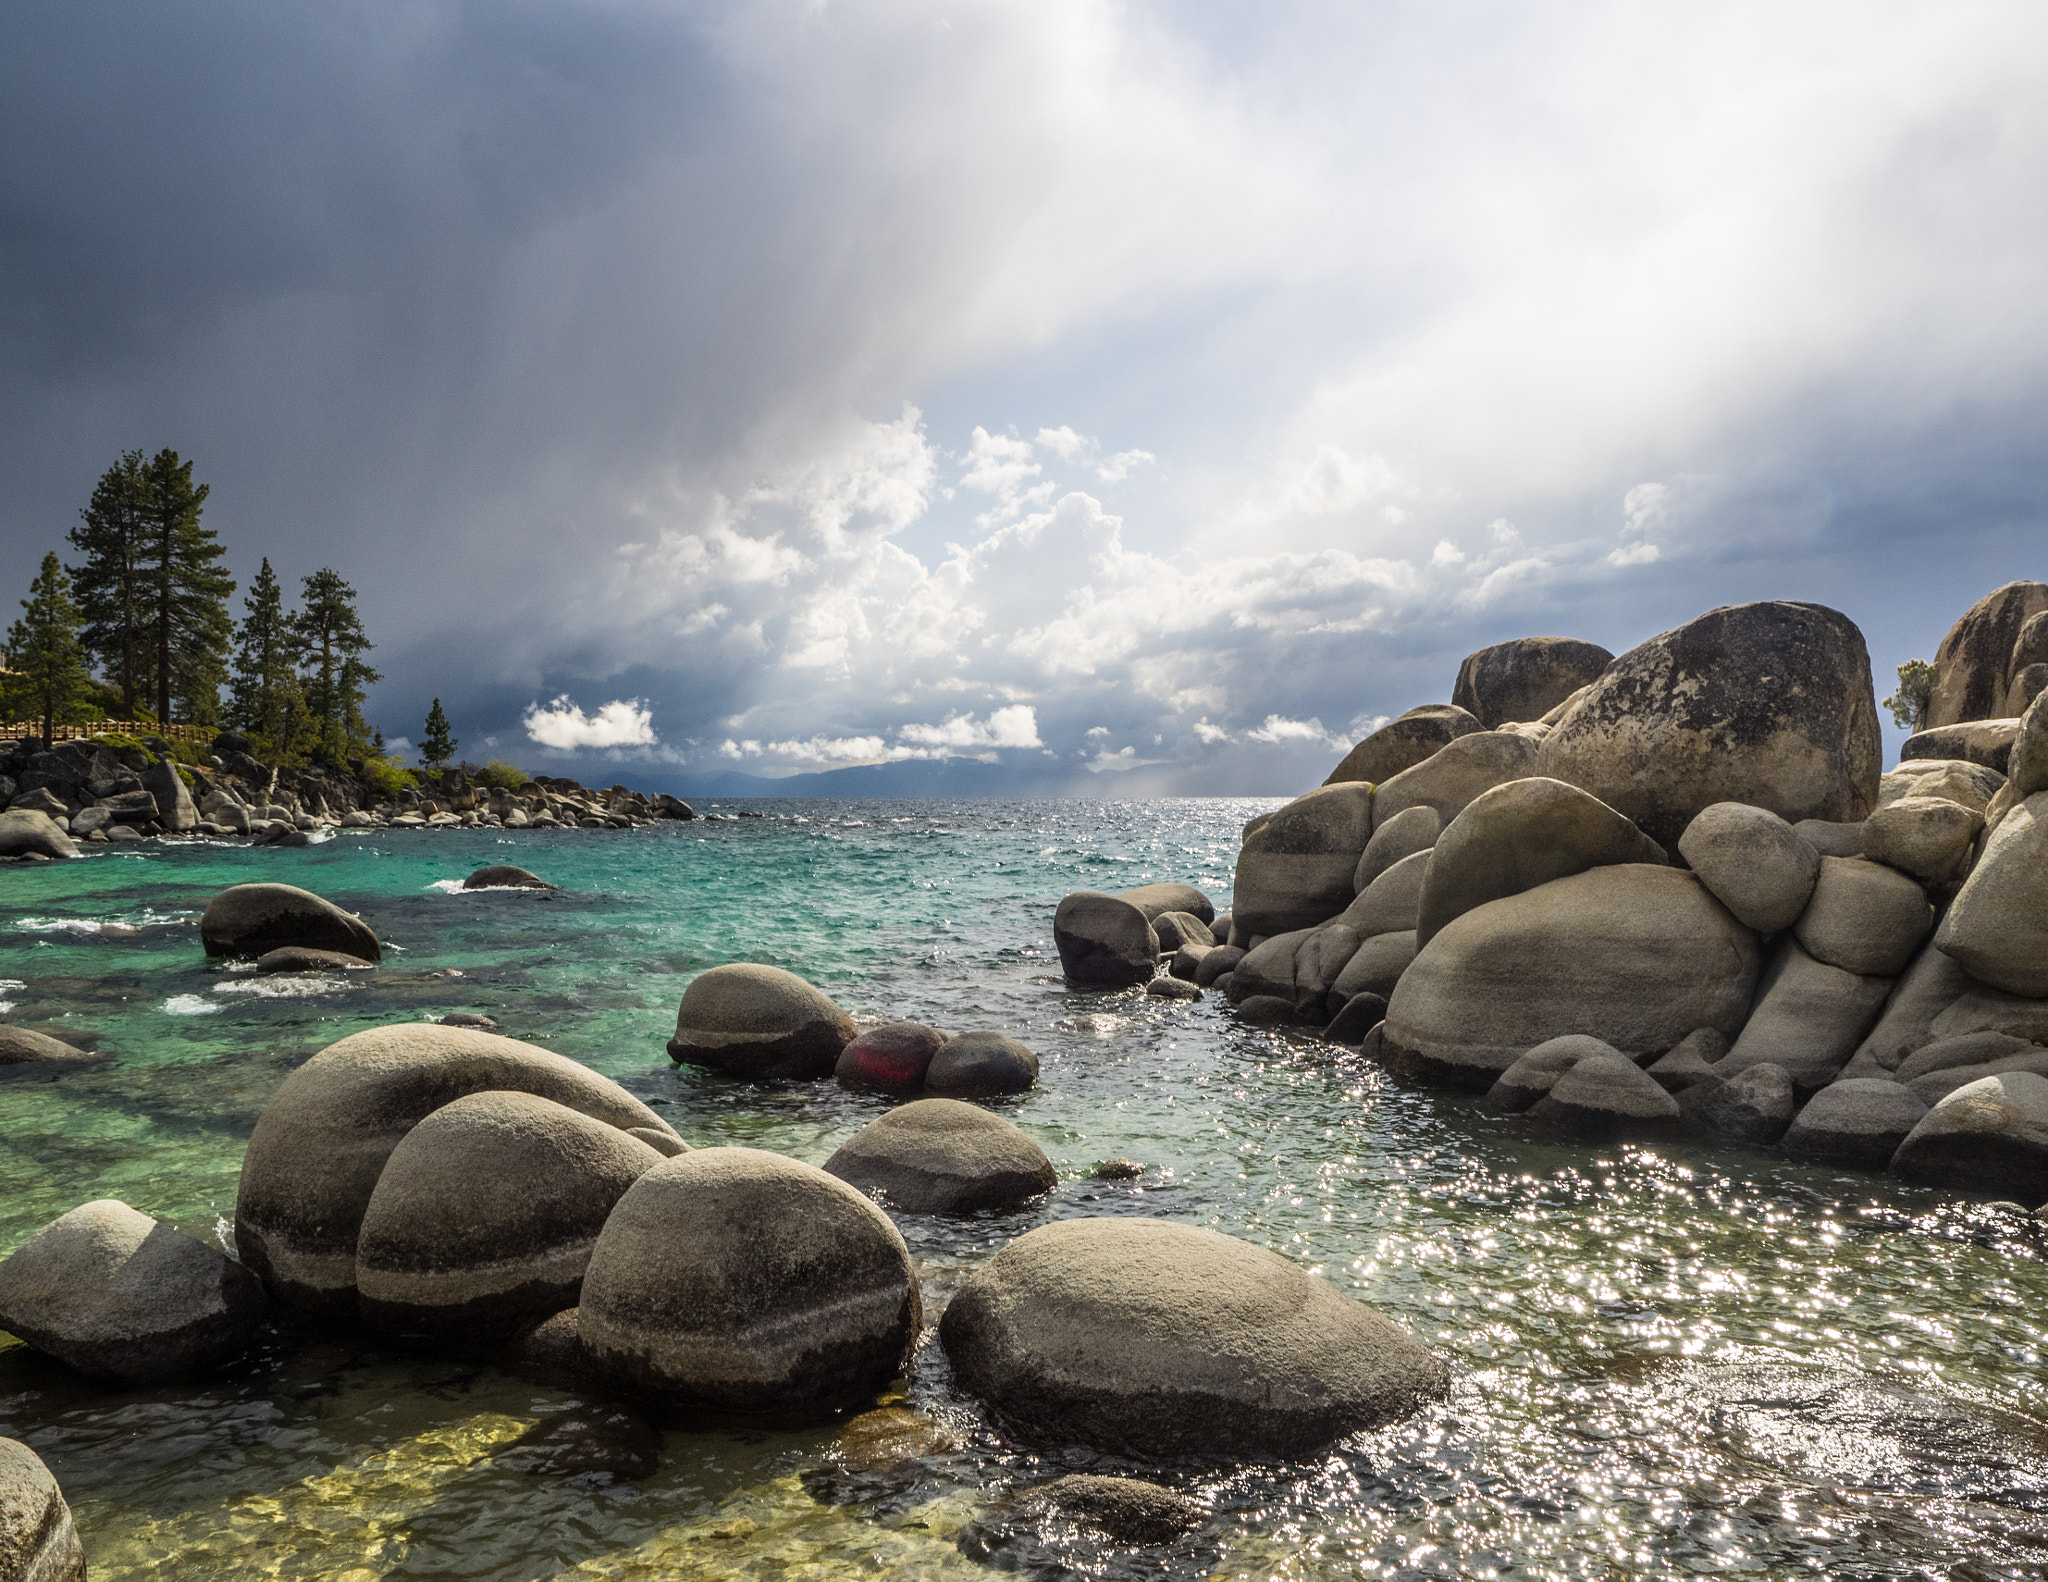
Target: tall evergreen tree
331,643
265,676
437,746
188,591
43,647
110,585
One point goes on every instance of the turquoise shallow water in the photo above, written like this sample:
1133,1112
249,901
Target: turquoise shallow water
1671,1363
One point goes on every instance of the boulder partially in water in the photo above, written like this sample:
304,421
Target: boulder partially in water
303,958
254,919
759,1023
1753,1106
483,1219
1157,1339
1104,941
28,832
1296,866
1990,1136
503,876
1808,1020
981,1065
123,1297
22,1048
1156,900
738,1280
1606,1094
38,1542
1858,1121
892,1058
940,1156
323,1140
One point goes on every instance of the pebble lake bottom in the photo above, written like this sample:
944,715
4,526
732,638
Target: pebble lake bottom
1692,1360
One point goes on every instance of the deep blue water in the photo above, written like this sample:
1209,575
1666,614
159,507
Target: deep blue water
1674,1362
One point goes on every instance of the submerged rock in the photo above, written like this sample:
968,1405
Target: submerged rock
1532,1077
302,958
1606,1094
123,1297
759,1023
588,1441
503,876
24,1048
940,1156
1158,1339
689,1302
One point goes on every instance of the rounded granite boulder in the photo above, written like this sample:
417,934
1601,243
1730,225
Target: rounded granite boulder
1864,917
1104,941
320,1145
302,958
1857,1121
1635,955
1768,704
123,1297
739,1280
1403,743
254,919
1526,677
483,1219
1755,863
759,1023
1157,1339
1155,900
892,1058
940,1156
981,1065
24,1050
38,1542
1990,1136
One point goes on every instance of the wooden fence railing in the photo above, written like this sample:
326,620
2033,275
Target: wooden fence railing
15,731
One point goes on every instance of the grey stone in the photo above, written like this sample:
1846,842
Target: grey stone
1319,962
1533,1075
2028,765
1218,962
1988,1136
760,1023
38,1542
1360,1014
738,1280
1753,1106
1188,959
318,1148
1376,966
1927,837
939,1156
123,1297
1754,862
1295,868
1606,1094
25,832
1527,677
483,1219
2028,683
1158,1339
1972,666
1635,955
1928,987
1178,929
1267,1010
1410,831
1831,839
1170,988
1269,967
1124,1509
1155,900
1517,836
1392,902
587,1441
2029,648
1933,1086
1690,1062
1864,917
981,1065
1104,941
1448,781
1997,926
254,919
1809,1017
1957,779
503,876
1403,743
166,787
1988,742
1766,704
1965,1049
1980,1009
1858,1121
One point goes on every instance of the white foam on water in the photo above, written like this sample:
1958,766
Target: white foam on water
190,1005
58,925
9,985
446,886
281,986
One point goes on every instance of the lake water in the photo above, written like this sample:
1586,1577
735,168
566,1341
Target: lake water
1669,1363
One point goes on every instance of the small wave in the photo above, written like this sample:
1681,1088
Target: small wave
9,985
191,1005
58,925
281,986
446,886
6,1006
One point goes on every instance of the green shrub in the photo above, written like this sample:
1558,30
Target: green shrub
387,778
503,775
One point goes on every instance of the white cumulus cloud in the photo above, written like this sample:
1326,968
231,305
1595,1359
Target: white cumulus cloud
623,722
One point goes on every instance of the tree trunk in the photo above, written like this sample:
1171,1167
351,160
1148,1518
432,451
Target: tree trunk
163,629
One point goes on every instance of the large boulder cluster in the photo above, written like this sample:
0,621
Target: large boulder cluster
1685,895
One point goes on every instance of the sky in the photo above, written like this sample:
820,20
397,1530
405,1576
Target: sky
1146,398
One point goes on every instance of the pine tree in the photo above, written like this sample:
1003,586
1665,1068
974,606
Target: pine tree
437,746
110,585
43,647
331,643
189,624
265,680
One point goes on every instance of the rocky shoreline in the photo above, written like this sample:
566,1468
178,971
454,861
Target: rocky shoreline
113,792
